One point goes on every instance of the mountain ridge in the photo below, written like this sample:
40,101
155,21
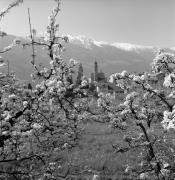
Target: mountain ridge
111,58
89,41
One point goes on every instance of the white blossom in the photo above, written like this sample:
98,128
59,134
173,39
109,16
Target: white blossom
84,83
8,48
172,94
6,115
169,80
12,96
111,79
95,177
168,120
36,126
124,73
25,103
144,176
136,78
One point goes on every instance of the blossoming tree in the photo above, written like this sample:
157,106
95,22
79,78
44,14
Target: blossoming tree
146,105
38,123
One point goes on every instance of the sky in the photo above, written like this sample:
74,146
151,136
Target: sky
142,22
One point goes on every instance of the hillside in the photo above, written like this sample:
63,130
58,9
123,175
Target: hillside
110,57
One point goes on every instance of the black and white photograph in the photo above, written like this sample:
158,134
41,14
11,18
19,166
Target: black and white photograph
87,89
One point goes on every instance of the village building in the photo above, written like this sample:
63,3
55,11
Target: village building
102,84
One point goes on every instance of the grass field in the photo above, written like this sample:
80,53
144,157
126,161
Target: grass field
95,154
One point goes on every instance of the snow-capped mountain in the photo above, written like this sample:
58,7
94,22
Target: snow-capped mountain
85,41
111,58
89,42
132,47
172,48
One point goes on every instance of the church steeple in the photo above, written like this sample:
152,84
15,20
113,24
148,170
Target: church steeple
96,70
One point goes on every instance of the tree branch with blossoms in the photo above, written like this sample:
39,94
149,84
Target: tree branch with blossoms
141,109
52,112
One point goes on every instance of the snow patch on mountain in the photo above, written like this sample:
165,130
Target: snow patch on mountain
85,41
130,47
89,42
172,48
